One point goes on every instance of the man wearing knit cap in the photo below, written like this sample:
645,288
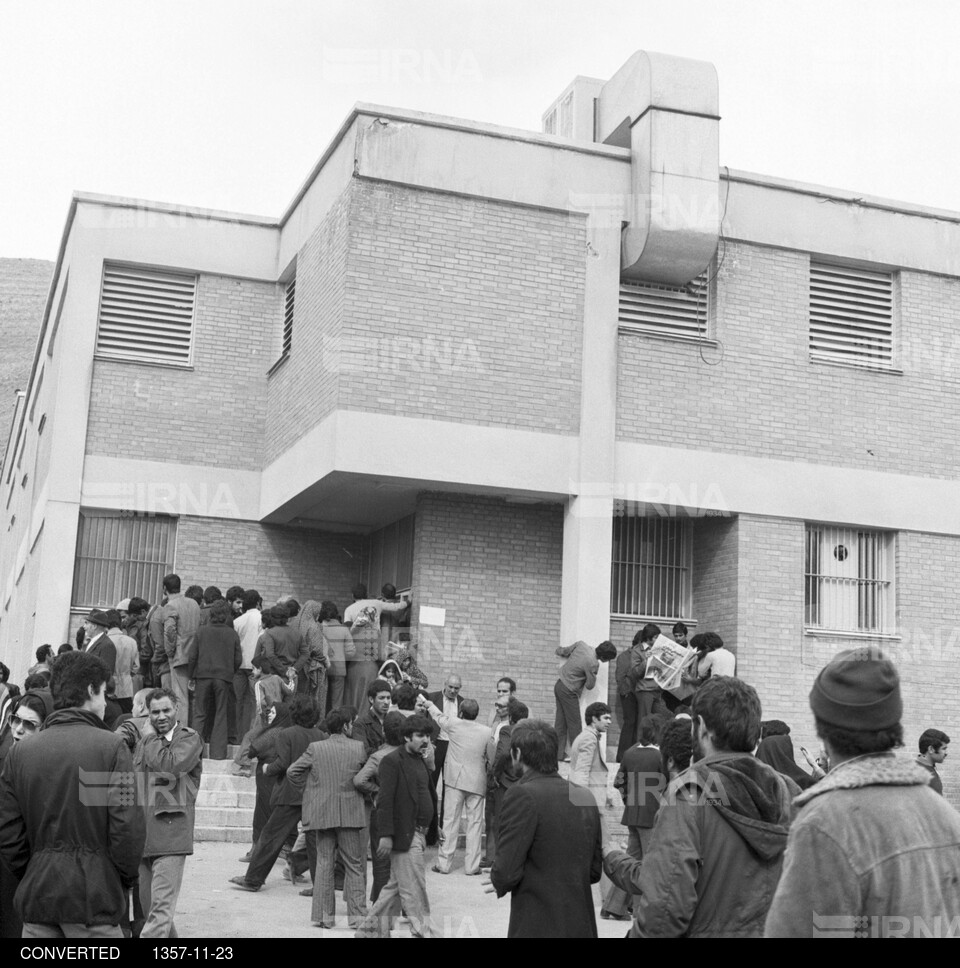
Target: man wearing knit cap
873,851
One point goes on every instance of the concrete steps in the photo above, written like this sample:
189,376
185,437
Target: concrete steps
225,803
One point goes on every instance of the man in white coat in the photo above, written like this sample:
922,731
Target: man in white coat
464,780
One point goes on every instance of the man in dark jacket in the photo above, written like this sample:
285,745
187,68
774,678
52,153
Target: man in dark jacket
368,727
500,773
404,812
98,643
549,848
717,848
287,802
69,828
169,759
215,656
641,783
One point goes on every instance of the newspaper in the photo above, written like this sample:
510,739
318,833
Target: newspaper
666,662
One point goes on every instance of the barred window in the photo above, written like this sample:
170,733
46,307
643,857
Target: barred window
681,312
120,555
651,568
849,579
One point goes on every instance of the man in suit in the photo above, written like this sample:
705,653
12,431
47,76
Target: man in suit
128,662
100,644
464,782
549,848
287,801
404,811
588,768
335,818
448,701
180,619
169,756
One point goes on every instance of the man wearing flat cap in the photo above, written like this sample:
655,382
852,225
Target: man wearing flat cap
873,851
98,642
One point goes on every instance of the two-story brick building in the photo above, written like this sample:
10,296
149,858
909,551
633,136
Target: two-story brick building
555,384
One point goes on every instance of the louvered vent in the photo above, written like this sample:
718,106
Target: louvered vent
666,310
288,300
851,315
146,315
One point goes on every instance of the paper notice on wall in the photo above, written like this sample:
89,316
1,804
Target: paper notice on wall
666,662
433,616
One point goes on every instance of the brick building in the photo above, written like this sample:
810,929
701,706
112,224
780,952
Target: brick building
556,384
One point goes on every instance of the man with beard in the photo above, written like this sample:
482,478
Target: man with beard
717,848
404,811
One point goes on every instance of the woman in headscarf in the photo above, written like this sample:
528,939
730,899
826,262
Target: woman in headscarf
314,681
263,748
776,750
26,718
390,671
409,669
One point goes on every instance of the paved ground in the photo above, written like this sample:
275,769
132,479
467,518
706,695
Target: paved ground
211,908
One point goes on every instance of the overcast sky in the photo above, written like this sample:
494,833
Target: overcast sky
229,104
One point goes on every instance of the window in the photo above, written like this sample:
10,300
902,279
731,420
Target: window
651,568
146,316
391,556
849,579
121,554
851,316
677,311
288,300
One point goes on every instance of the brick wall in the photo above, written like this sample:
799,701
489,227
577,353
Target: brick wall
776,657
496,568
715,571
463,309
765,398
212,414
305,388
273,559
23,293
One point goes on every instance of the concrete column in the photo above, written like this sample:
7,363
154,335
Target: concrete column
588,521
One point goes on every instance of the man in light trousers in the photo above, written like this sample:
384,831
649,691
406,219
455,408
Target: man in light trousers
404,813
465,782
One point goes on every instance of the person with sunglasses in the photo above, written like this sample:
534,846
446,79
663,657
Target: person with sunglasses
27,717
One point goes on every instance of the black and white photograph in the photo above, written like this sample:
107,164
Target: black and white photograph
477,469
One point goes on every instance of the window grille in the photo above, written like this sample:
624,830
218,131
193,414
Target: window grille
851,316
288,300
146,315
849,579
651,568
682,312
120,555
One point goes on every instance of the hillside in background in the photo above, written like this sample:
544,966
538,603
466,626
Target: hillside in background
23,292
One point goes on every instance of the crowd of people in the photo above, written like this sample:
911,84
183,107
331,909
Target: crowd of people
360,768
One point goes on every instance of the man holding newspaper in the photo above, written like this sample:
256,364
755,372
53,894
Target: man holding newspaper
658,666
